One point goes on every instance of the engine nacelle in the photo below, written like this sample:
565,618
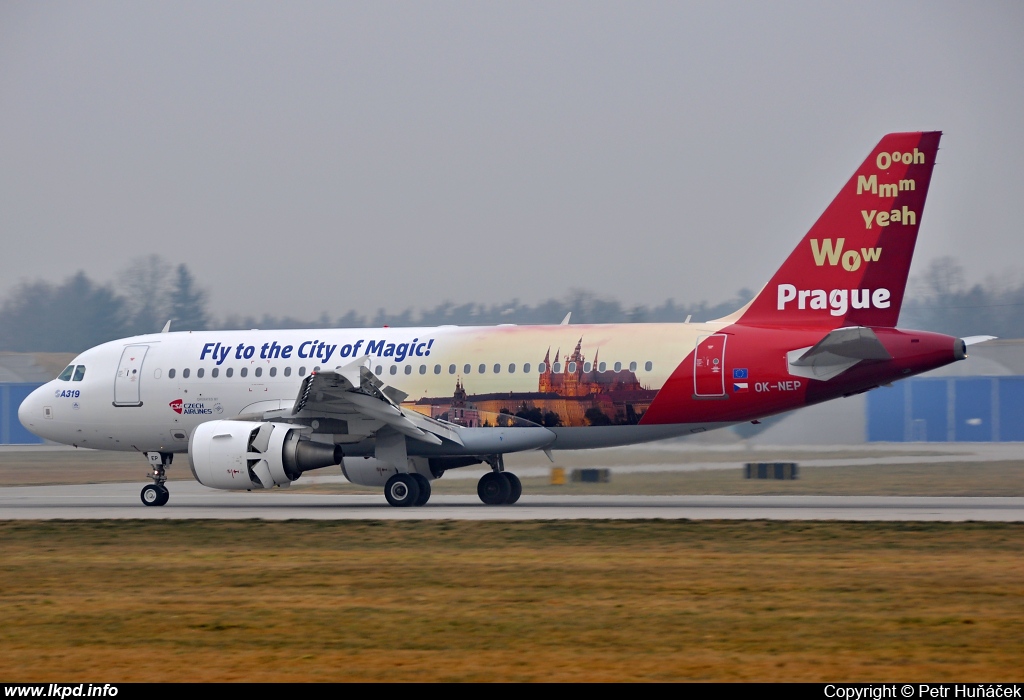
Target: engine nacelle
370,471
243,455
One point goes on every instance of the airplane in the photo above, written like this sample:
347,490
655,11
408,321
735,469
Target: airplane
396,408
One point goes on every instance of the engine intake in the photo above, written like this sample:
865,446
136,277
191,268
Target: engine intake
244,455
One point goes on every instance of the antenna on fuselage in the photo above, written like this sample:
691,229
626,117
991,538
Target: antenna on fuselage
167,326
565,321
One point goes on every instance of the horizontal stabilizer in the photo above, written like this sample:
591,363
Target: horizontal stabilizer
837,352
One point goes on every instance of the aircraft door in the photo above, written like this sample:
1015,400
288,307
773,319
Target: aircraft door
129,374
709,366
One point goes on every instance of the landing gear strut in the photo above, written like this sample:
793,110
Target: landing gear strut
156,494
499,487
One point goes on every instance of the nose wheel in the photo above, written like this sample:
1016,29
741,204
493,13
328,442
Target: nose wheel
156,494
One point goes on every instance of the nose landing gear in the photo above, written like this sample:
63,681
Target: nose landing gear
156,494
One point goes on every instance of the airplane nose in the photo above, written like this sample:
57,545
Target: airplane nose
30,412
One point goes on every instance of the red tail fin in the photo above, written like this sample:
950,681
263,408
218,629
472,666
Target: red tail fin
851,267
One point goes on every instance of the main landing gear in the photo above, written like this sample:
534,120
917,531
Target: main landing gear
156,494
499,487
407,490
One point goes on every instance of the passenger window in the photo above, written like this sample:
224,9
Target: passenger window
229,371
423,369
200,372
526,368
497,368
451,369
302,371
542,368
618,366
649,366
602,367
394,369
482,369
273,371
317,368
287,371
65,376
408,369
437,369
244,372
184,373
170,374
215,372
572,368
632,367
259,371
379,370
466,369
79,373
512,368
556,367
587,367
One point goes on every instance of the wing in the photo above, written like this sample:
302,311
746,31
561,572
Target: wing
353,394
353,404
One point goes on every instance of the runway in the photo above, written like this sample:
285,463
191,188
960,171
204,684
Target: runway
193,501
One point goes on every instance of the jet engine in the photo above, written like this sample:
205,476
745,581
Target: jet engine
242,455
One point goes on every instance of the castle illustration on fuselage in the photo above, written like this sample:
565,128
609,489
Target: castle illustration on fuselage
572,392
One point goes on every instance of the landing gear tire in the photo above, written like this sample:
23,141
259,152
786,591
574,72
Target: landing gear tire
494,488
402,490
155,495
424,485
516,488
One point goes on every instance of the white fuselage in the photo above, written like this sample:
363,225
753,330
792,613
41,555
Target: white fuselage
149,393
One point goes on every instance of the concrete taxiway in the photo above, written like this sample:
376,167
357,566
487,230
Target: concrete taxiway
193,501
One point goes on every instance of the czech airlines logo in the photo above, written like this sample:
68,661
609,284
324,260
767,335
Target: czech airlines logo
191,409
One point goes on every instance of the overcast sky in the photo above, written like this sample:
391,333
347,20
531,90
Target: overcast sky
305,157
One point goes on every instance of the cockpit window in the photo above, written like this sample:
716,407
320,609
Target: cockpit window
79,373
65,376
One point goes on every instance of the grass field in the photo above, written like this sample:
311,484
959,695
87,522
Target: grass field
525,601
542,601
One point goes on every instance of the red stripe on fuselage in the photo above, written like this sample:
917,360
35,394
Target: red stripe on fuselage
770,386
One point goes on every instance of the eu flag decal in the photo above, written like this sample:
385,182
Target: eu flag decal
739,373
